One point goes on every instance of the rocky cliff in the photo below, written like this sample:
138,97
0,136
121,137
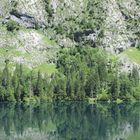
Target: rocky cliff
45,25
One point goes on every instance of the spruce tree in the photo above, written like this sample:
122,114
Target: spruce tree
115,86
15,80
68,87
2,93
39,85
93,84
6,75
30,87
6,83
134,77
18,92
10,94
102,70
125,86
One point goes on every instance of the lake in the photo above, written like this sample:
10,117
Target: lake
70,121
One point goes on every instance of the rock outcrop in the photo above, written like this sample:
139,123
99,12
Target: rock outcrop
24,20
116,35
111,24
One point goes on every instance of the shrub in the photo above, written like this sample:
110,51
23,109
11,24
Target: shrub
12,25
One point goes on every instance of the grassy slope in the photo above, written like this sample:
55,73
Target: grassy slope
10,51
133,54
46,68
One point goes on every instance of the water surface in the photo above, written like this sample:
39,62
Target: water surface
70,121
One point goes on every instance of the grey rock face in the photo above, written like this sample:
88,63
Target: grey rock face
24,20
68,16
116,34
34,8
117,37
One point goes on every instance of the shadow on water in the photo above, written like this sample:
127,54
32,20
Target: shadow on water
69,121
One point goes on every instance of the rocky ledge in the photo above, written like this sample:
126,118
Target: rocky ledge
24,20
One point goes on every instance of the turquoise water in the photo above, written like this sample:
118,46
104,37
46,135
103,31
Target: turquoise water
70,121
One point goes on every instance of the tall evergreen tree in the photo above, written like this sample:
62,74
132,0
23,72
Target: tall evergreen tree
10,94
39,85
102,70
18,92
115,86
134,77
125,86
15,80
6,75
93,84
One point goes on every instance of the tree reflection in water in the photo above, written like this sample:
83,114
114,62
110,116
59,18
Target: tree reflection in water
68,121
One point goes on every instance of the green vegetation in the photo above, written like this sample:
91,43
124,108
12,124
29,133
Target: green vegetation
9,50
89,122
76,23
88,74
133,54
46,68
48,8
48,41
12,26
134,136
81,73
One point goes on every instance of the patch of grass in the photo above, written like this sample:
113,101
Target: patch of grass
46,40
8,53
12,66
133,54
10,50
46,68
24,29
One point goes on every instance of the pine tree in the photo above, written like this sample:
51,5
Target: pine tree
6,75
93,84
115,87
21,76
82,78
39,86
6,83
68,87
2,93
60,85
30,87
18,92
125,86
134,77
10,94
77,89
102,70
25,92
15,80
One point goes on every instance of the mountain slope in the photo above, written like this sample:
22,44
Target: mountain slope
42,26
